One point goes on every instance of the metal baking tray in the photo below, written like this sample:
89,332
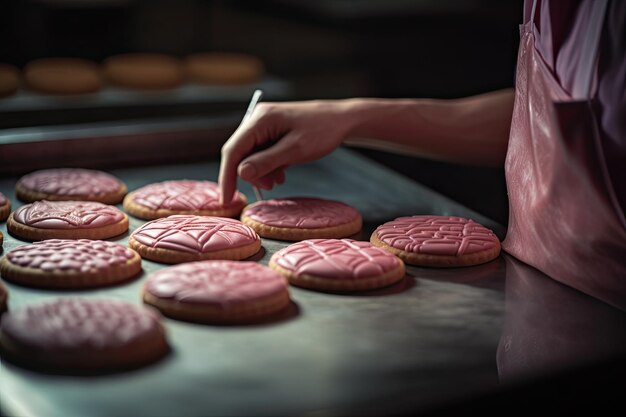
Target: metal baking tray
29,108
424,343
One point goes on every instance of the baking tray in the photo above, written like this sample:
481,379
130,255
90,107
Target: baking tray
30,108
426,342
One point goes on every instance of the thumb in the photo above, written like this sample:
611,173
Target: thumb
265,162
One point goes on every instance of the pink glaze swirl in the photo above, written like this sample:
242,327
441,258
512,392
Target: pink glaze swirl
437,235
195,234
68,214
81,255
215,282
183,195
336,259
3,199
69,324
71,182
301,212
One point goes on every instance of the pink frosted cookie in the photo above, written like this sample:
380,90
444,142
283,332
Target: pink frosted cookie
442,241
77,334
301,218
164,199
63,184
217,291
59,263
185,238
5,207
337,265
67,220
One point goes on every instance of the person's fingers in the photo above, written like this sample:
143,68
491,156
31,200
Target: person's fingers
252,133
265,183
268,181
279,177
284,152
227,179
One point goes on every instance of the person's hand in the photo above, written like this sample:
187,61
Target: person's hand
277,135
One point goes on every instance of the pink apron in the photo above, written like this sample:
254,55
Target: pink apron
564,216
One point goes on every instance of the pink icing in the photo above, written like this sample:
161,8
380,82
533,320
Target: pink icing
215,282
77,324
71,182
183,195
67,214
70,255
336,259
301,212
195,234
437,235
3,199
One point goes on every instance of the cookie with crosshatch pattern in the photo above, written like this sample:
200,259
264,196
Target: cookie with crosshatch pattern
167,198
186,238
299,218
76,184
76,335
43,220
439,241
67,263
217,291
337,265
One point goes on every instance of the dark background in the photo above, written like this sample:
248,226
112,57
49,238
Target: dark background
325,49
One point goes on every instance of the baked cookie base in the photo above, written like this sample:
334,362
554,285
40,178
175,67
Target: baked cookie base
168,256
30,196
4,295
145,213
34,233
236,313
327,284
130,356
297,234
59,279
440,261
5,210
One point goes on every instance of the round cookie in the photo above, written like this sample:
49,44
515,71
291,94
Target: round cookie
166,198
63,76
77,184
4,295
300,218
44,219
185,238
223,68
144,71
62,263
72,334
337,265
5,207
440,241
9,79
217,291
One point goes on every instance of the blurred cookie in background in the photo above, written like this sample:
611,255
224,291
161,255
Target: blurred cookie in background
63,76
223,68
9,79
144,71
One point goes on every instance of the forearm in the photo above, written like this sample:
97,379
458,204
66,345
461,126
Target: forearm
473,130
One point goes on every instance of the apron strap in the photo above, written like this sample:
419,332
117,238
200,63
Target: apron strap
588,62
533,11
588,58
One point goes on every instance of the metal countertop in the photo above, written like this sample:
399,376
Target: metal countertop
437,337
